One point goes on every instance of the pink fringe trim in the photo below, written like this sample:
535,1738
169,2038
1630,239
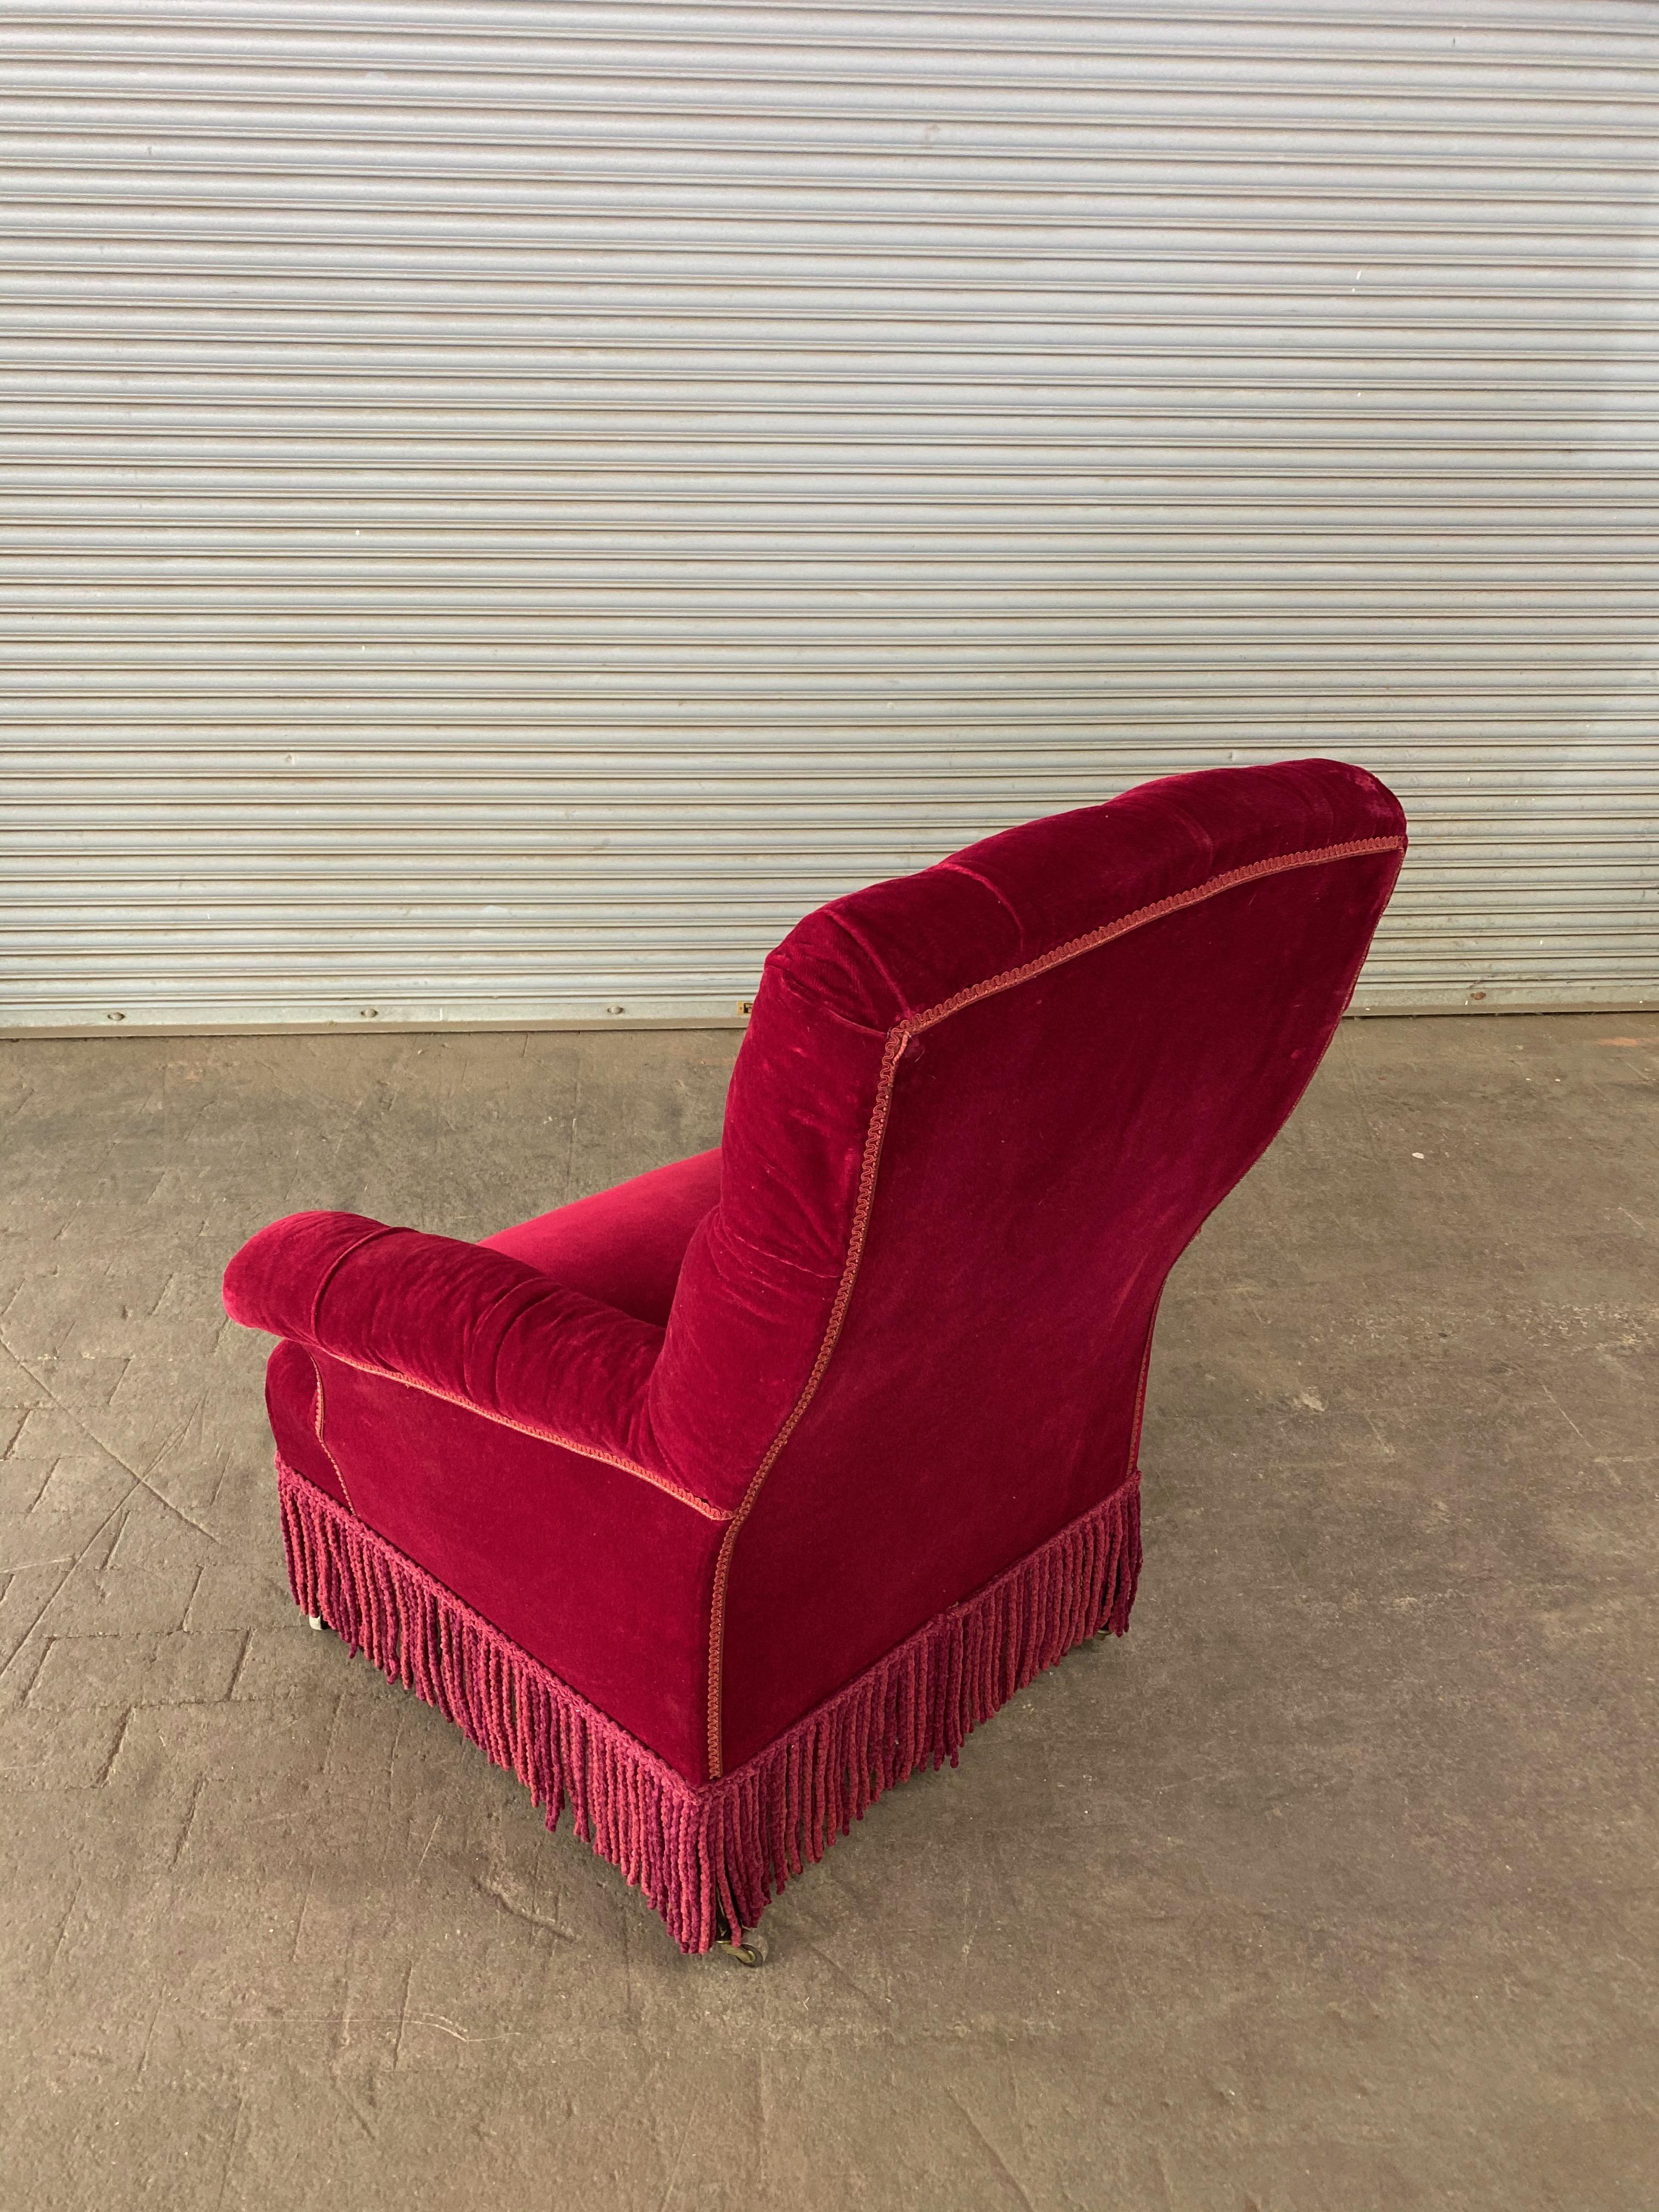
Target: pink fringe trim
730,1845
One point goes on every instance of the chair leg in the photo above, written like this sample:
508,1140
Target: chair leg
315,1620
748,1950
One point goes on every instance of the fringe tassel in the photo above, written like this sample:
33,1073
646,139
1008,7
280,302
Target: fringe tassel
733,1843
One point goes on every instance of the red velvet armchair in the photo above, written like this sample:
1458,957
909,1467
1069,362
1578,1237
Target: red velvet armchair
716,1504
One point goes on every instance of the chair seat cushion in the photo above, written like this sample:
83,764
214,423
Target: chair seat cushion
623,1246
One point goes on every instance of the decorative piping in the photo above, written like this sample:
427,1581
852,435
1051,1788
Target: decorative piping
897,1037
1141,917
662,1482
897,1041
317,1423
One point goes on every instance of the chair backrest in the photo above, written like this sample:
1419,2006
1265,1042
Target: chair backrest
979,1112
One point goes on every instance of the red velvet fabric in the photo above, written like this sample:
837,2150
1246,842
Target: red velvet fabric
709,1444
622,1246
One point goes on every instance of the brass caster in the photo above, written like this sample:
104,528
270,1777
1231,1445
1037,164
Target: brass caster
748,1950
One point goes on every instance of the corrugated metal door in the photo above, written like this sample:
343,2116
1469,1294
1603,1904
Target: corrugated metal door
507,505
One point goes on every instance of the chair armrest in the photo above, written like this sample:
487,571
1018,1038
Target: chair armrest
460,1321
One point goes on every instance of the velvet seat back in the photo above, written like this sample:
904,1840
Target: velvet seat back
979,1112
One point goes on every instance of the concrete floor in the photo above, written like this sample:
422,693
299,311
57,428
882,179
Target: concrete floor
1333,1886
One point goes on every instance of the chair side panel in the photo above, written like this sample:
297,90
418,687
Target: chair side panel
600,1576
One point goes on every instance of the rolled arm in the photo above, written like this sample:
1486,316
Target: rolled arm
458,1320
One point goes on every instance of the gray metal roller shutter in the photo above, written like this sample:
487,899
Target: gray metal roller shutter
506,506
